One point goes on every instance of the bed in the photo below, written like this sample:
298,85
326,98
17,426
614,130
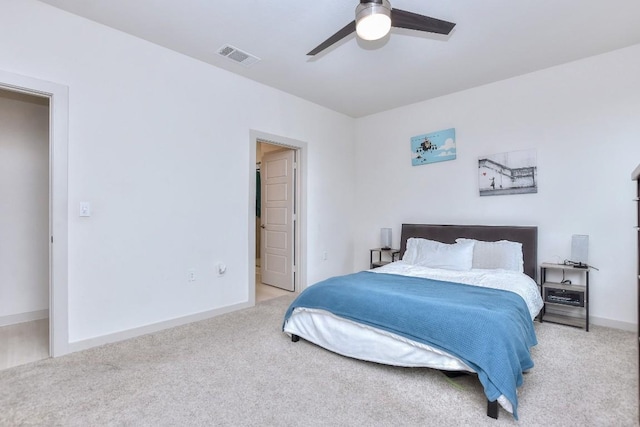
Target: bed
462,298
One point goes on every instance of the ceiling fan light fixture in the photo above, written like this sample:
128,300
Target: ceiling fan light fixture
373,19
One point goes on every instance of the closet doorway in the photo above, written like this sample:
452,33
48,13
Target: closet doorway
24,228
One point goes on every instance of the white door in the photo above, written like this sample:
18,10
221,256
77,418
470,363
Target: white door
277,219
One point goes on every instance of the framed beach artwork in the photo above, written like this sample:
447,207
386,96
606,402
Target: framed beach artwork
514,172
433,147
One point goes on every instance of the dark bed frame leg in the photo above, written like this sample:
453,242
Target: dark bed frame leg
492,409
295,338
454,374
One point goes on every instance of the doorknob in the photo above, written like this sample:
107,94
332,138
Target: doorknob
262,226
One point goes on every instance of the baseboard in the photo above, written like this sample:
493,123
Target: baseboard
616,324
23,317
155,327
594,320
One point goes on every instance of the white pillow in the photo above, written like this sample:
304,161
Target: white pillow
429,253
415,249
502,254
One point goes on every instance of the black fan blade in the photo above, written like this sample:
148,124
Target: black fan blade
348,29
413,21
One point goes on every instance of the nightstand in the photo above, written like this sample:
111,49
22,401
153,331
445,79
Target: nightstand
569,301
393,255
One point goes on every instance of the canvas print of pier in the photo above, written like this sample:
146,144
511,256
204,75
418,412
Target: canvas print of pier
515,172
433,147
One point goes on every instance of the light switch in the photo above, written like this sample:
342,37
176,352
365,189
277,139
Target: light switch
85,209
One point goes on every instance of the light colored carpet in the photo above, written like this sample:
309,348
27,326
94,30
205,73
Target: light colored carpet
240,369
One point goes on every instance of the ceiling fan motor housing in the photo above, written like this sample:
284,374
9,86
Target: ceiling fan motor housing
373,19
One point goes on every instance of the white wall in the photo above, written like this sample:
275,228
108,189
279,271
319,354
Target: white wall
583,120
24,207
159,144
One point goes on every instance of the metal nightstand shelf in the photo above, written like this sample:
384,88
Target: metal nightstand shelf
567,297
393,253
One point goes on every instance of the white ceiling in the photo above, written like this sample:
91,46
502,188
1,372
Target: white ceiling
493,40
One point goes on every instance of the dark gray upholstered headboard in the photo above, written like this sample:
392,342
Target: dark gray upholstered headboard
528,236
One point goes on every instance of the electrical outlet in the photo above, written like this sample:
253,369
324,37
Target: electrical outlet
222,268
191,275
324,255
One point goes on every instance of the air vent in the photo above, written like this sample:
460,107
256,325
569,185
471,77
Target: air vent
237,55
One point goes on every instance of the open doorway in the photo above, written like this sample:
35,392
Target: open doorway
261,143
275,220
57,236
24,228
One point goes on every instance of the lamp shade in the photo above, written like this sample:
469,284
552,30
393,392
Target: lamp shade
373,20
385,238
580,248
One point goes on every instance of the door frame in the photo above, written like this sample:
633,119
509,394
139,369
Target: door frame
58,200
300,240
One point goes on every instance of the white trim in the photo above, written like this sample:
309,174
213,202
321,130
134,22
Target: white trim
14,319
58,215
615,324
578,313
301,200
155,327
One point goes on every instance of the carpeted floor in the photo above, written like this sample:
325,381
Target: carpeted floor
240,369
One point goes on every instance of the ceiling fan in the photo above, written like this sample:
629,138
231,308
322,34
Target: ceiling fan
374,19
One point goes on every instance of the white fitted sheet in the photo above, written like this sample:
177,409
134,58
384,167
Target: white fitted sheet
364,342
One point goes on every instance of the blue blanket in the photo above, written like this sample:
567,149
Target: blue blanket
489,329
